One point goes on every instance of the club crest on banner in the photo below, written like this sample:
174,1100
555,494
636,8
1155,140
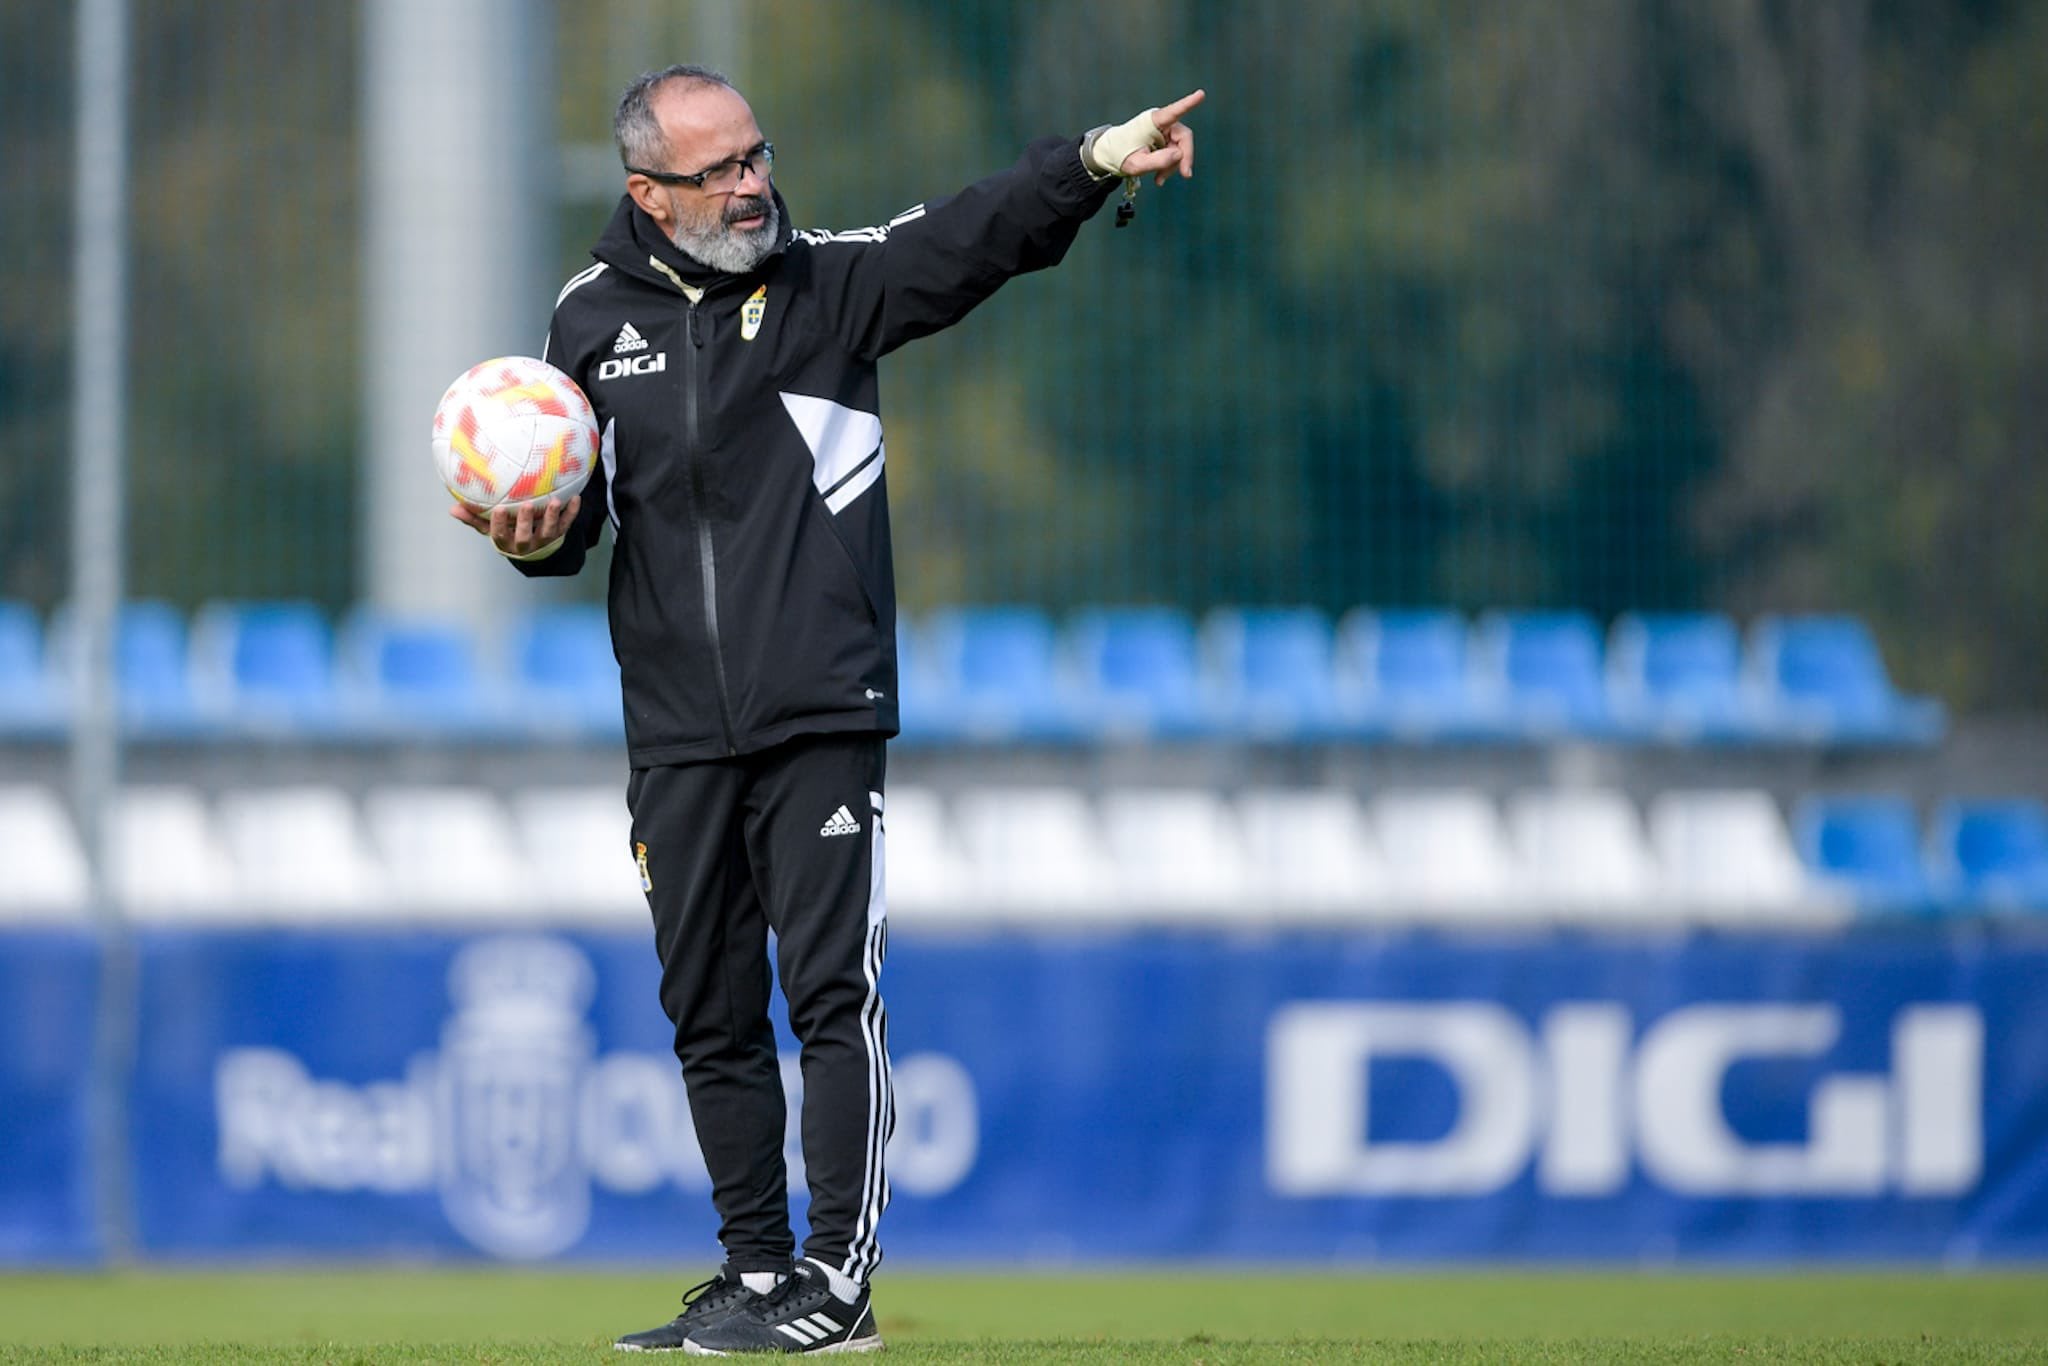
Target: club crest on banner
512,1058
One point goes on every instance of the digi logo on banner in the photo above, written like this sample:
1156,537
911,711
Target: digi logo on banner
517,1117
1583,1099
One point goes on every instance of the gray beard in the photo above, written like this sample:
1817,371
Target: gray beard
726,249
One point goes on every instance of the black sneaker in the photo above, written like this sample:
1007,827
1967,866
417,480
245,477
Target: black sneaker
704,1306
800,1315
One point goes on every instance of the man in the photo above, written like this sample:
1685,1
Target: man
731,363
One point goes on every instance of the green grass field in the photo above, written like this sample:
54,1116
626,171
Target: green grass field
425,1315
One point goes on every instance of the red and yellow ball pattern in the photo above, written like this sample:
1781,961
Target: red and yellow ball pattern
514,430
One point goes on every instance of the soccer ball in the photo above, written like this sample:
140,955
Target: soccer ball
514,430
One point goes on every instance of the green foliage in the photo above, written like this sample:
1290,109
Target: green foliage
1699,303
1890,456
35,365
242,362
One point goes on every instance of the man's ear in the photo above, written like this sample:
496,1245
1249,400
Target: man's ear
649,197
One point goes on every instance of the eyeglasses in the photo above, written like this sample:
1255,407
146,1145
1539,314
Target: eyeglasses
722,178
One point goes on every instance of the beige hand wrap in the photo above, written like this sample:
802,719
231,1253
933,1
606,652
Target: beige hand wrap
1103,150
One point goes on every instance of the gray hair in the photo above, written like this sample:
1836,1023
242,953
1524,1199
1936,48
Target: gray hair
634,127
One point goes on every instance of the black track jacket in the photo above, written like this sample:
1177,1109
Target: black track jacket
752,597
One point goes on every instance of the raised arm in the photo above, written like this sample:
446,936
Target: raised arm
930,266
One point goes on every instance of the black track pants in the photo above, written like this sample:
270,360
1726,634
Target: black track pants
788,840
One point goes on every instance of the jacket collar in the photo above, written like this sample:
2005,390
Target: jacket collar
633,244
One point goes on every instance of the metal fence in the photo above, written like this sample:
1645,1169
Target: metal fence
1684,304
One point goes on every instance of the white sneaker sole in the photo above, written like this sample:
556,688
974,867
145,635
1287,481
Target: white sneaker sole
867,1344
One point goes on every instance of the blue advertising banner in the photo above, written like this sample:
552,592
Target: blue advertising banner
1132,1096
49,994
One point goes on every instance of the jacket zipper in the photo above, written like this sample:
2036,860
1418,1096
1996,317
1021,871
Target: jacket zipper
706,564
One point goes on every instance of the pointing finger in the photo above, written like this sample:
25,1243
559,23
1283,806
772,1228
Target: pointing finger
1168,115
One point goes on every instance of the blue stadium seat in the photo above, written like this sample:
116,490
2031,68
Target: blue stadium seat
1549,666
1413,676
1833,682
1276,669
21,645
413,673
30,703
267,666
1997,850
1141,670
564,674
151,667
152,662
1870,846
992,674
922,708
1680,676
930,704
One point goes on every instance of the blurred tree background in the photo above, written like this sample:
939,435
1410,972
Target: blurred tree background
1601,303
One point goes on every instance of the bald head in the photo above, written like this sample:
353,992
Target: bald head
636,128
701,125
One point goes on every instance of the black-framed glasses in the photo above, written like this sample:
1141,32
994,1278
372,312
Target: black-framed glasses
723,177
